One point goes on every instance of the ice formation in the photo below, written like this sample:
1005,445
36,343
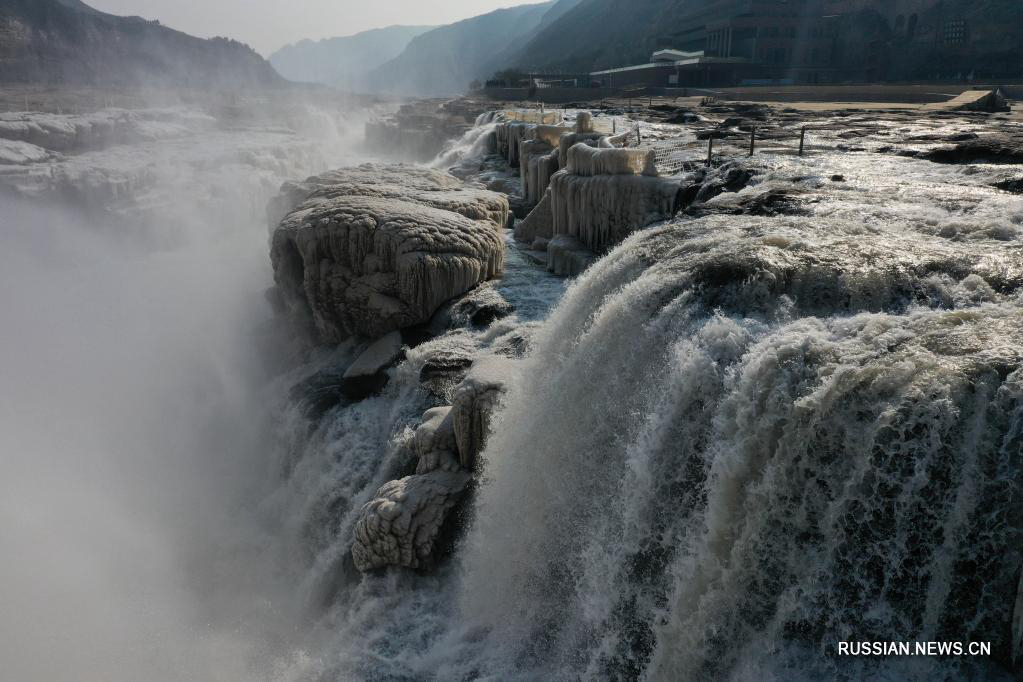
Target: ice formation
400,526
365,260
602,210
474,401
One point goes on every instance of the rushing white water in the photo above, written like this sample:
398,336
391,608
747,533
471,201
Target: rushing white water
730,444
735,442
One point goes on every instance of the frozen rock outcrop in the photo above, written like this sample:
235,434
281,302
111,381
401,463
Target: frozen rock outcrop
567,256
402,524
434,442
368,374
539,224
473,404
572,139
584,160
428,186
539,161
366,263
602,210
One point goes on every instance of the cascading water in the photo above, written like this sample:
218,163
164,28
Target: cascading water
735,442
718,454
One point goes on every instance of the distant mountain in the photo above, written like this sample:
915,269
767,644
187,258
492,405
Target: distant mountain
66,41
344,62
445,60
596,34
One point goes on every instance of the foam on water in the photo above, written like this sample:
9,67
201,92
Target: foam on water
737,441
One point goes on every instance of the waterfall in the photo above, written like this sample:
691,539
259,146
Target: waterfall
473,144
723,449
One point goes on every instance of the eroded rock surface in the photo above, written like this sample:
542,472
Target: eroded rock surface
401,525
602,210
366,257
473,404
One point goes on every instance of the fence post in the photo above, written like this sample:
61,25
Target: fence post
802,140
614,126
710,150
753,141
639,135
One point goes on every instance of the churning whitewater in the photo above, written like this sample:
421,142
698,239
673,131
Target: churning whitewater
783,415
733,442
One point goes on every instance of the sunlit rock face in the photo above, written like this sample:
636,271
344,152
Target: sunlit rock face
367,256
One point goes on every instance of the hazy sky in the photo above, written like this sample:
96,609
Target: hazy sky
269,24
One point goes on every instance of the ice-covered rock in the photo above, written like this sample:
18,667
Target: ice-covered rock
572,139
368,263
368,374
16,153
601,211
479,308
401,525
538,224
537,165
567,256
473,404
584,160
428,186
99,129
584,122
434,442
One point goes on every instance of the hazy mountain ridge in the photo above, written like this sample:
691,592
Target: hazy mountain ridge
446,59
346,61
597,34
66,41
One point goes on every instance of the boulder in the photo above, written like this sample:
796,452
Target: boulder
368,374
567,256
402,524
444,368
601,211
584,122
476,309
996,148
427,186
571,139
473,405
365,263
538,162
584,160
434,442
480,308
538,224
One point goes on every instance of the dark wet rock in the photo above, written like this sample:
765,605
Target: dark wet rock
444,369
961,137
731,176
771,203
683,117
998,148
368,374
476,309
837,178
320,393
480,308
1014,185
